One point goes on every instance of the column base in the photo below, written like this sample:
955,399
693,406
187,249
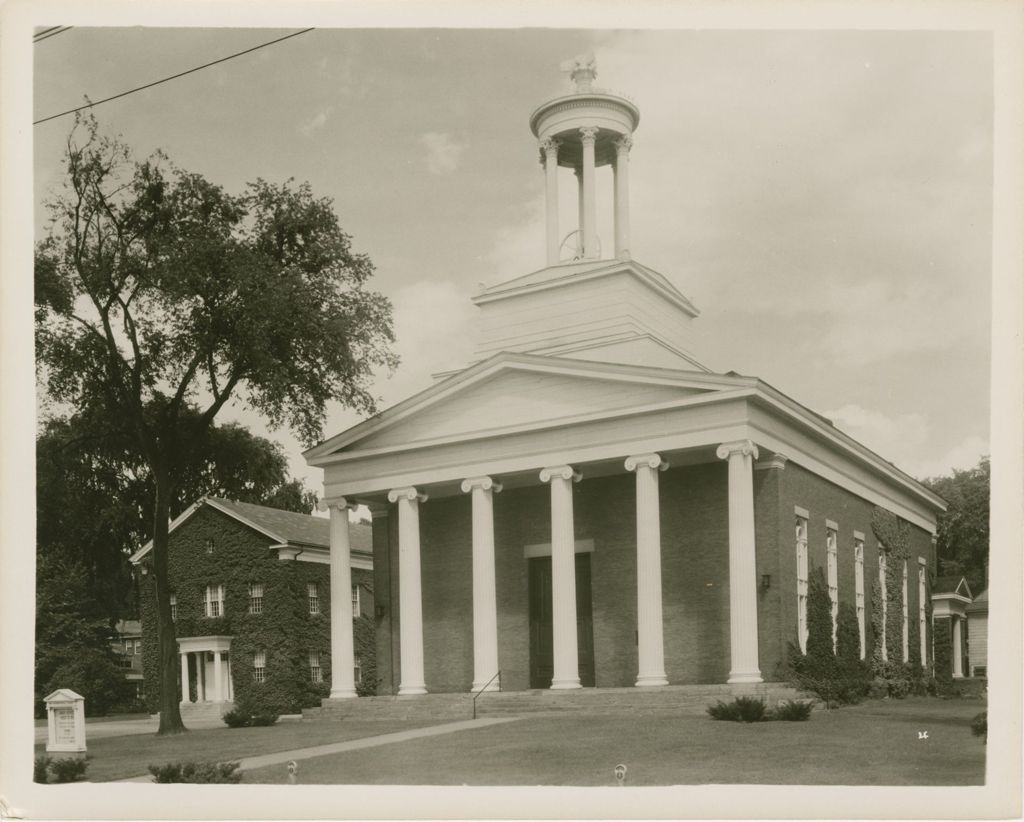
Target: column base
744,677
651,680
565,684
958,676
412,690
343,693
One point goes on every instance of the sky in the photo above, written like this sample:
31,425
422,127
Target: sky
823,197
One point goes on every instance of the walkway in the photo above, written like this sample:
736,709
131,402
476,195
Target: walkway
282,757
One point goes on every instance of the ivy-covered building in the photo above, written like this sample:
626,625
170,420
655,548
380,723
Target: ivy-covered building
584,503
251,602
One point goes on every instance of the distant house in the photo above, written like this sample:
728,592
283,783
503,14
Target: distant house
951,599
128,647
977,634
252,605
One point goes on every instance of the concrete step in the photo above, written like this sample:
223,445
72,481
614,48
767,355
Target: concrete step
204,710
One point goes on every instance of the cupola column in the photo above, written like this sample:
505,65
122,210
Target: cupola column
622,147
588,137
550,149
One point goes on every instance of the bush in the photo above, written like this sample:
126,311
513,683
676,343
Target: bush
69,769
793,710
248,717
741,709
39,769
979,725
213,773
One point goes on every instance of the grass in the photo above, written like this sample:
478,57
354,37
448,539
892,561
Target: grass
127,756
876,743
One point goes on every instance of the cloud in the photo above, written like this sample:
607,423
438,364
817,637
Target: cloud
317,122
443,153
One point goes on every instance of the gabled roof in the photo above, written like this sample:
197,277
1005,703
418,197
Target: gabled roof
980,603
950,585
283,527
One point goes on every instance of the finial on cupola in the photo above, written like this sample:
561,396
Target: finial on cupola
583,71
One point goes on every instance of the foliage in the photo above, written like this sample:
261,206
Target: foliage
244,718
213,773
836,676
156,289
793,710
73,640
979,725
962,540
944,658
40,768
69,769
741,709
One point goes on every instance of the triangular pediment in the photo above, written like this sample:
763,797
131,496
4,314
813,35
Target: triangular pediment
518,391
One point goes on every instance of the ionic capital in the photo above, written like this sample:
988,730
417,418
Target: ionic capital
336,503
744,447
485,483
650,460
623,144
588,135
564,472
409,494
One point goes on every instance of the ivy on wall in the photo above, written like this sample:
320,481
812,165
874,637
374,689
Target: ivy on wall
285,630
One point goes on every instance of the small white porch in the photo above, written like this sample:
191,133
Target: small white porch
210,658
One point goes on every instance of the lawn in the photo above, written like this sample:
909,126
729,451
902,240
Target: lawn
126,756
878,743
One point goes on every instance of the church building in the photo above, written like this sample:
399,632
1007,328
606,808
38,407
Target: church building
585,505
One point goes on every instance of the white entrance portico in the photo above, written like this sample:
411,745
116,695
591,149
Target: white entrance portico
208,659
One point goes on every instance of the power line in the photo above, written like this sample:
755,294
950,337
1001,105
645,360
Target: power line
46,34
173,76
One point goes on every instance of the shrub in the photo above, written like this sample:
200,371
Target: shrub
39,769
214,773
69,769
741,709
793,710
979,725
248,717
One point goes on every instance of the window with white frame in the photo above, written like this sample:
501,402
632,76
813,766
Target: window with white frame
883,592
313,590
832,560
801,581
138,647
255,597
906,617
315,672
858,582
259,666
921,599
356,611
209,546
214,600
357,670
174,607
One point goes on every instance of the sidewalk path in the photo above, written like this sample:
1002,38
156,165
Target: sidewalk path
281,757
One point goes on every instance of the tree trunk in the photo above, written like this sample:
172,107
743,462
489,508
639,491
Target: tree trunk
170,713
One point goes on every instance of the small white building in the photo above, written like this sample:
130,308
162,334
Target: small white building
977,634
951,597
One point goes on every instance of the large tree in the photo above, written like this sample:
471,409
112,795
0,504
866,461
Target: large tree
962,538
155,288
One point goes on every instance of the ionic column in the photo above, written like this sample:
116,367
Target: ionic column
218,678
588,137
184,678
622,146
550,149
563,577
343,684
742,566
410,598
958,661
485,600
650,639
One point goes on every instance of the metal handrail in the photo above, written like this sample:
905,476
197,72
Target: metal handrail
477,694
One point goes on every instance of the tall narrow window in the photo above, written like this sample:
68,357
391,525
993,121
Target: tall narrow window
832,557
357,670
174,606
922,629
858,582
259,666
356,611
883,592
314,598
801,581
209,546
906,617
214,600
255,597
315,672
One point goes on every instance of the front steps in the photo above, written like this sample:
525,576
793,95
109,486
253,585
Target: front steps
668,700
204,710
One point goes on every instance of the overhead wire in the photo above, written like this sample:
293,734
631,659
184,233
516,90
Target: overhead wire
172,77
46,34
